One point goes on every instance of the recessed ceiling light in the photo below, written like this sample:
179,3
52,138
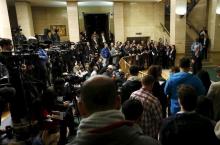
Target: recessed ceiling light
95,3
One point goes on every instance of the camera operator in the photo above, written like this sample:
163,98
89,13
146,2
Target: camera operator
58,98
6,92
57,65
18,37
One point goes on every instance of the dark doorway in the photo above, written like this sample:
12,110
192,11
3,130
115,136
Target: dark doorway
96,22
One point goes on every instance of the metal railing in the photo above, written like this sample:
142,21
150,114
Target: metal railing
191,26
191,6
165,29
125,64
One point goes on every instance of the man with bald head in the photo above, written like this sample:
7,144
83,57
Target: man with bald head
102,121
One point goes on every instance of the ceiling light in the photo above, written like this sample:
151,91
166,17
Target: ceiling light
95,3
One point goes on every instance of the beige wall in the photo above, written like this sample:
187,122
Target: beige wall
24,16
43,17
198,16
214,26
95,10
73,21
145,18
119,21
138,17
5,28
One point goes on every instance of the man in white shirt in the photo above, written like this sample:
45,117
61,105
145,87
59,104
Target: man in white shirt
196,45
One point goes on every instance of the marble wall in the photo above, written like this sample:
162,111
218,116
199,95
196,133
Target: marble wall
43,17
144,18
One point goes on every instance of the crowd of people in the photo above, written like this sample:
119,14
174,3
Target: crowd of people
111,107
145,53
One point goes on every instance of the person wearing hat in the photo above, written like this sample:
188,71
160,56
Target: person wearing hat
214,95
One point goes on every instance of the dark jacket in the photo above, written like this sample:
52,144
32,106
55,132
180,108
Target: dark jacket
129,87
197,65
123,134
187,129
158,92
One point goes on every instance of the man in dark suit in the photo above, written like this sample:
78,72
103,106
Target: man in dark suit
172,55
155,54
94,40
197,61
205,44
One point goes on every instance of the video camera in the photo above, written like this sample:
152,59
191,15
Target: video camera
8,132
73,79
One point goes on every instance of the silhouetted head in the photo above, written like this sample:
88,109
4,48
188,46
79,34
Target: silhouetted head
98,93
134,70
132,109
187,97
185,63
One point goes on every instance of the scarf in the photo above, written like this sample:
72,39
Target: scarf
98,120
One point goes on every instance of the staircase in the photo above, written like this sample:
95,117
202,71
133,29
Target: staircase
191,31
196,18
188,44
190,5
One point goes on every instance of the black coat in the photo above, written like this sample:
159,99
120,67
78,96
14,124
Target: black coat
128,88
187,129
197,65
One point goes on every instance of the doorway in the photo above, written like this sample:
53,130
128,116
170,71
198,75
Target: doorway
96,22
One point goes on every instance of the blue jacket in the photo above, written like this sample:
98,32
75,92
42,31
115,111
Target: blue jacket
43,56
177,79
105,53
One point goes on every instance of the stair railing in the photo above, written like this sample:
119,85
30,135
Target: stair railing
191,26
191,6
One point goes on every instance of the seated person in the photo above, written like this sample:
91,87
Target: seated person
187,127
56,100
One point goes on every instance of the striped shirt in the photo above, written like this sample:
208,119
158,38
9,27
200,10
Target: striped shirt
152,114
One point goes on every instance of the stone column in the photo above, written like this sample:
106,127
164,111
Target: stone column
119,21
5,28
178,24
214,31
73,20
24,16
214,25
